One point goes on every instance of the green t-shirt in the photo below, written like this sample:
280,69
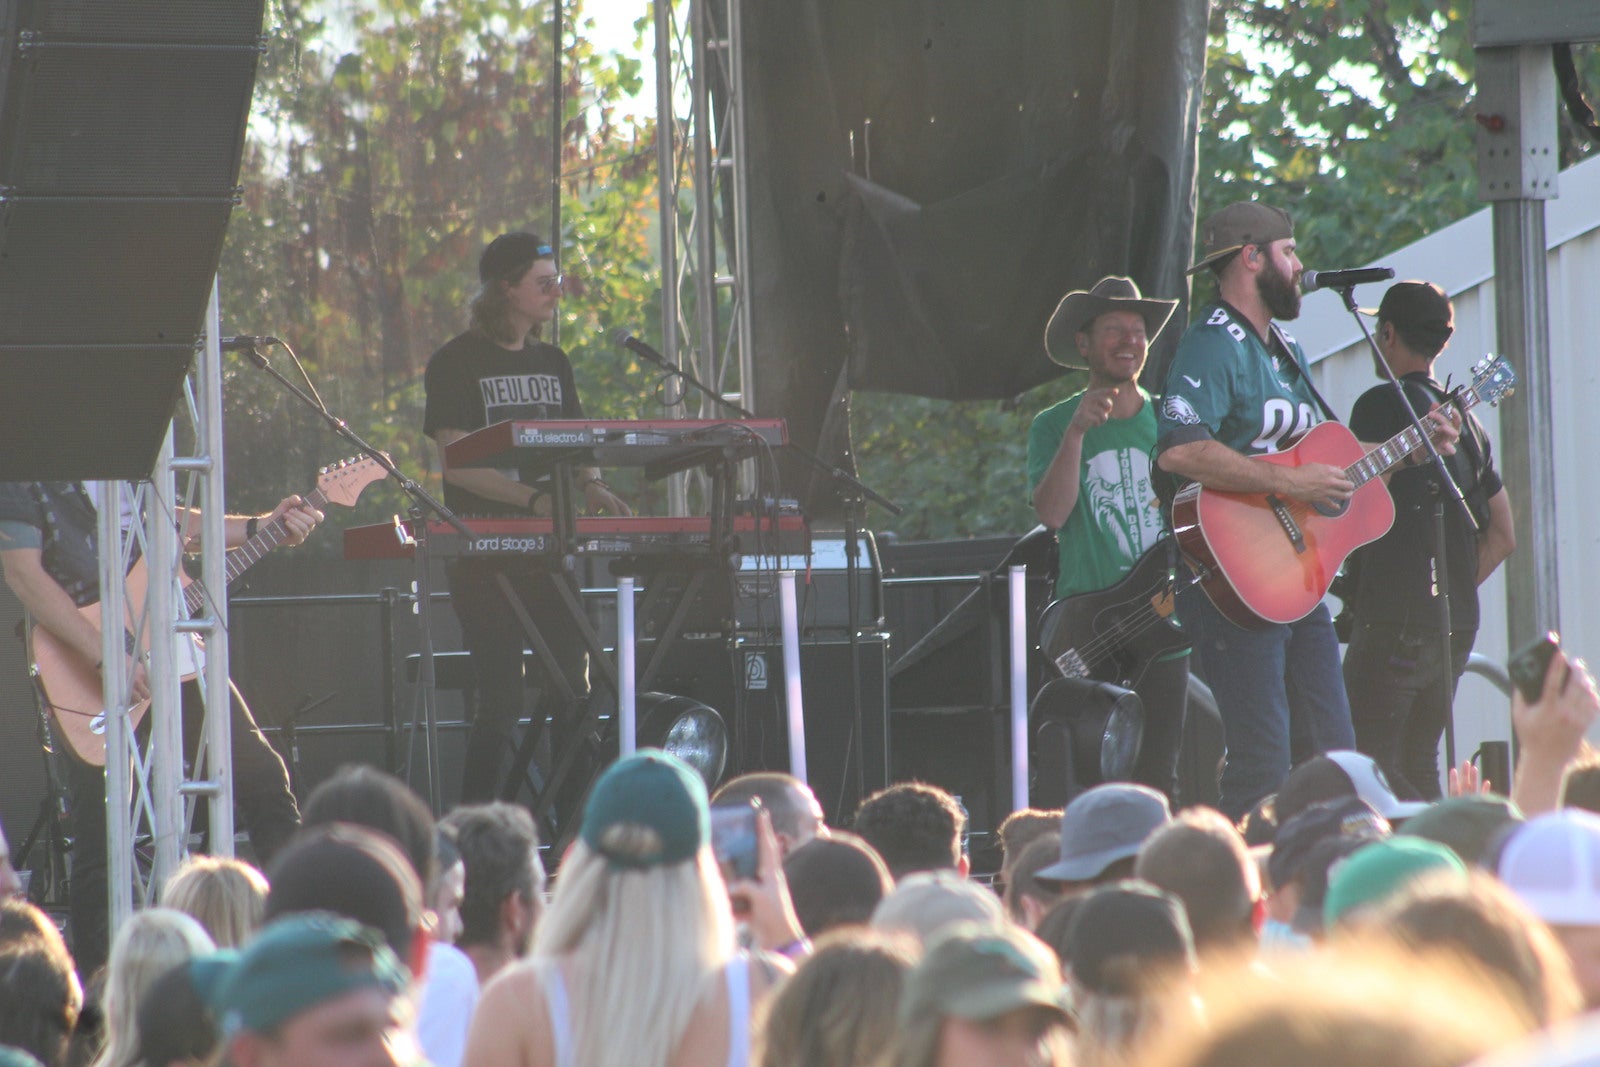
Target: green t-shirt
1226,384
1117,517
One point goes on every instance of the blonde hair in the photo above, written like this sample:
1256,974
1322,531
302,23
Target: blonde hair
839,1009
149,945
227,897
642,944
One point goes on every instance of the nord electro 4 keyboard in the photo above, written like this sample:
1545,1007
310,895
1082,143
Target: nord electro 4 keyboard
634,535
661,446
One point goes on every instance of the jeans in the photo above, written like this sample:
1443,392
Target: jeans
267,811
1279,691
1400,693
496,639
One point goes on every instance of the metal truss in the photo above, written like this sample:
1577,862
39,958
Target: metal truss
150,802
701,167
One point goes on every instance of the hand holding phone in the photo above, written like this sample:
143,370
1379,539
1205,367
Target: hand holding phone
1531,663
734,841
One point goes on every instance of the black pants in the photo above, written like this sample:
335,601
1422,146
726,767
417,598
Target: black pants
496,639
1164,692
1400,687
261,793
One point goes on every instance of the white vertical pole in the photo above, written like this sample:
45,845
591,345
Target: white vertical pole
166,705
1019,688
627,712
216,690
791,675
114,684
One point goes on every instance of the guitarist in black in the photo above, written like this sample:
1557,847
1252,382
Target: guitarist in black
49,555
1394,668
1089,467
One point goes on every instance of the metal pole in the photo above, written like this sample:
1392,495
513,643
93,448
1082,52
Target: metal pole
217,690
166,701
705,351
114,683
794,700
1017,579
627,709
557,126
667,211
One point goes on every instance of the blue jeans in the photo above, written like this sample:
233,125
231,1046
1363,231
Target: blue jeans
1280,692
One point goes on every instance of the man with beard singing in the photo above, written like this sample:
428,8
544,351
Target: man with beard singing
1239,386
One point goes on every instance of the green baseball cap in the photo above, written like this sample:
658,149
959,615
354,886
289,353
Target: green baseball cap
298,962
983,970
654,790
1382,869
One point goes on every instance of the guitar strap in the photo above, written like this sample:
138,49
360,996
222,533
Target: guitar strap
1278,335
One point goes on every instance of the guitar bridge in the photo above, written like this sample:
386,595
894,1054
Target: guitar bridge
1291,528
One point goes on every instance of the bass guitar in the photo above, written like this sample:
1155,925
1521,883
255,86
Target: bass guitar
71,686
1114,634
1264,559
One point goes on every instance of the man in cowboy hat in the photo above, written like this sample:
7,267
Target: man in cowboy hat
1240,386
1089,465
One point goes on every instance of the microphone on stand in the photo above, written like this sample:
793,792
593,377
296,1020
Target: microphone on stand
246,343
623,339
1340,279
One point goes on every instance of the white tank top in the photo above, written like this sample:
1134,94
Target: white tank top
737,974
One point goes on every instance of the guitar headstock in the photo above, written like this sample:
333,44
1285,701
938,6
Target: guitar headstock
1492,380
343,482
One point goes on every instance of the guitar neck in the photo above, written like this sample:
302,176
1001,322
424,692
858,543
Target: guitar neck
268,537
1397,448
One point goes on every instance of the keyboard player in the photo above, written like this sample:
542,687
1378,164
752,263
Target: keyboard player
499,369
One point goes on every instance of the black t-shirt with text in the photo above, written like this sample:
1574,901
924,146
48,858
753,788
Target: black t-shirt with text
1394,574
472,382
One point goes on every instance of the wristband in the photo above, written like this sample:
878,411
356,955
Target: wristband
796,949
250,526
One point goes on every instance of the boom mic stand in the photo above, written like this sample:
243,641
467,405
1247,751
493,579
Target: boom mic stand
423,503
855,495
1444,484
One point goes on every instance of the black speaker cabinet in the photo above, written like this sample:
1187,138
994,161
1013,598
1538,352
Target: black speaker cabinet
744,681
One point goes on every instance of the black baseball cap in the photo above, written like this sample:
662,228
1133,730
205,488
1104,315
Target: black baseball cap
510,254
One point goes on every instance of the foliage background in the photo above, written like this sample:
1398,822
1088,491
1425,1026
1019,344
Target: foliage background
391,140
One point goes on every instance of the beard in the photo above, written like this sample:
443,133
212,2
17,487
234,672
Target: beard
1279,292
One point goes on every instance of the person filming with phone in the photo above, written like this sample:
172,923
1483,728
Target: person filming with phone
1550,721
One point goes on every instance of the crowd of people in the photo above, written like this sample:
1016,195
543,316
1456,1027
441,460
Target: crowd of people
1336,924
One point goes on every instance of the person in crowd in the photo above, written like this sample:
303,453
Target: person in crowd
1471,825
1481,925
1382,870
1055,923
1550,732
316,990
1400,684
227,896
835,881
499,369
356,873
1551,863
925,903
839,1009
505,884
1020,829
177,1027
634,962
915,827
147,945
1339,775
40,996
1239,386
796,815
49,555
1302,850
1089,469
363,795
1130,961
1026,898
989,994
448,993
1201,859
1580,787
1102,831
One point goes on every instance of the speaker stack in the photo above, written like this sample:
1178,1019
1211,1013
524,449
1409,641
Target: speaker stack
122,126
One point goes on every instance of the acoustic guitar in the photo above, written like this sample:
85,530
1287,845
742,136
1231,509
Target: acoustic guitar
71,685
1264,559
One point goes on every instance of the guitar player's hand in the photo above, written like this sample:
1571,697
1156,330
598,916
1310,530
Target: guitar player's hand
1093,410
298,518
1446,429
138,680
1317,483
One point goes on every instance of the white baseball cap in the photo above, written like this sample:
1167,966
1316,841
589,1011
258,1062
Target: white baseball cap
1553,864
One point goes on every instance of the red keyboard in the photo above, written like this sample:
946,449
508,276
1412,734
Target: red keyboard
635,535
668,444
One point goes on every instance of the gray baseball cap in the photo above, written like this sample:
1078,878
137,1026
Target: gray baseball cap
1103,825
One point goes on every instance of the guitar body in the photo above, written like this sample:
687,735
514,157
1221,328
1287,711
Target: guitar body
70,684
1265,560
1114,634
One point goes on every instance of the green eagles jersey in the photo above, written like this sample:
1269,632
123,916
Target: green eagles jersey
1117,517
1226,384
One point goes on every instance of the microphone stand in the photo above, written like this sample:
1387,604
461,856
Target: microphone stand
1442,485
855,494
423,503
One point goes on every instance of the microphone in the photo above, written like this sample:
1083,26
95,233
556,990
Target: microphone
1339,279
623,339
246,343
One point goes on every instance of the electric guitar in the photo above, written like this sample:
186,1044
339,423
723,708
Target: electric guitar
1264,559
1112,635
70,684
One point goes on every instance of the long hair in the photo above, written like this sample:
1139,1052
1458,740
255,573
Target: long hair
149,945
642,947
225,895
839,1009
